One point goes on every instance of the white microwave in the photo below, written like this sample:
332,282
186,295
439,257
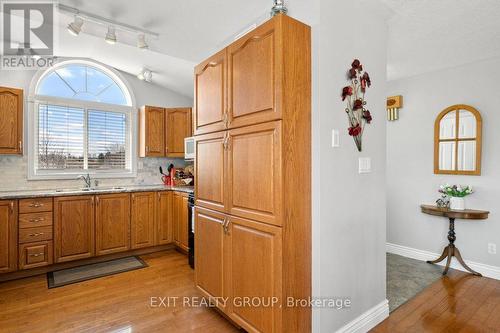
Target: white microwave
189,153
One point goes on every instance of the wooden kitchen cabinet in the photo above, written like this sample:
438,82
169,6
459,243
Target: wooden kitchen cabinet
74,228
180,219
253,268
112,223
8,236
210,171
209,254
11,120
34,255
178,127
143,219
151,131
164,219
210,110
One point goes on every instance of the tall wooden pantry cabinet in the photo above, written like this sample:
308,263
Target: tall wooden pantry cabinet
252,126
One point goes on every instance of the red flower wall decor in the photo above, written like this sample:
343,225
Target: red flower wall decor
354,95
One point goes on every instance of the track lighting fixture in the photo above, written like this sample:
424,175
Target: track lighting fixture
145,75
75,27
111,35
141,42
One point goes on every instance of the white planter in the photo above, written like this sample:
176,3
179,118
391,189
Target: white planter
457,203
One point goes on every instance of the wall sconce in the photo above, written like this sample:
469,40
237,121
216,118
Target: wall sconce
394,103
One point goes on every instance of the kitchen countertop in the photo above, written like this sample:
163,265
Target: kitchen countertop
24,194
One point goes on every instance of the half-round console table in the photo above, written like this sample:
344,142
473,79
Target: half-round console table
451,250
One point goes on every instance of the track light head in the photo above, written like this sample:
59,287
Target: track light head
141,42
111,35
75,27
145,75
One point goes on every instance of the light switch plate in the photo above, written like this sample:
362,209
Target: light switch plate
365,165
335,138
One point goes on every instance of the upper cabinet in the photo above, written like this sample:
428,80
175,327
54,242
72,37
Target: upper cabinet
178,127
162,131
152,131
210,110
11,121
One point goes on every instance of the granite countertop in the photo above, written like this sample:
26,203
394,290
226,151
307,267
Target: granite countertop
4,195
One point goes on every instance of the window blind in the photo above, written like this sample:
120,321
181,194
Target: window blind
106,140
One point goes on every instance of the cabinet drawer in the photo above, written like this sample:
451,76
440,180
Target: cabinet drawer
35,205
31,235
35,255
31,220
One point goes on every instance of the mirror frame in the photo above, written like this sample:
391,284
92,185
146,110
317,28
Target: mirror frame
479,136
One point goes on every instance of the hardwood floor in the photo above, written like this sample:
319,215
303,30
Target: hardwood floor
118,303
456,303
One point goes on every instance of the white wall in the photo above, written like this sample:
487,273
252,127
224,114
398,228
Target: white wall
350,215
410,177
13,169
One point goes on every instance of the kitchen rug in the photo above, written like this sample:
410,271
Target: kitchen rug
93,271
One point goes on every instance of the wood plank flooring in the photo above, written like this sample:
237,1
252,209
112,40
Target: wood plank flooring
118,303
458,303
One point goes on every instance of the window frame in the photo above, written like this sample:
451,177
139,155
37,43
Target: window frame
456,139
32,125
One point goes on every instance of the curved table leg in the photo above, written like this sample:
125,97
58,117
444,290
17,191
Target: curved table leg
461,261
444,255
448,261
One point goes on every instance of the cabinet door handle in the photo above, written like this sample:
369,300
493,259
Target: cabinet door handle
225,142
225,119
40,219
36,205
36,254
11,205
21,146
147,149
97,200
36,234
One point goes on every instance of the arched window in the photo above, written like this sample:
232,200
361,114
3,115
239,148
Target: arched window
81,123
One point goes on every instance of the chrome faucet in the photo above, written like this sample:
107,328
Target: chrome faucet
86,179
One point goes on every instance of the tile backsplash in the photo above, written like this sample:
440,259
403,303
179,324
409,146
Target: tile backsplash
13,174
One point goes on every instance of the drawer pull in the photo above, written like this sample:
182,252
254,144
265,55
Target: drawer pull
36,234
40,219
36,254
36,205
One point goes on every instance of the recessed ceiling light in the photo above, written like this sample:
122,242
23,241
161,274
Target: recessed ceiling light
145,75
75,27
141,42
111,35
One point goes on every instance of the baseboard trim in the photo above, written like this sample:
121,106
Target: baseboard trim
487,270
367,320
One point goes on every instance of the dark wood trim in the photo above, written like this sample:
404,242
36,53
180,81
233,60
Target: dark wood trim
56,267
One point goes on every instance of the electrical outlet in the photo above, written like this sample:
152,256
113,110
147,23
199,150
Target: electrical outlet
335,138
365,165
492,248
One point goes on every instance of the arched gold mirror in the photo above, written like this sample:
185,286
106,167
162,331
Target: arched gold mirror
457,141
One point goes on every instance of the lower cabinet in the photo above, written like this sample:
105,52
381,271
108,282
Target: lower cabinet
240,259
164,216
112,222
33,255
8,236
180,220
209,240
74,228
142,224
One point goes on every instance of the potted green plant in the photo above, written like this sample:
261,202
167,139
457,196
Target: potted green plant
457,193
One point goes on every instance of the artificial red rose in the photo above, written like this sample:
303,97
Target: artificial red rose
355,130
358,104
355,64
366,78
351,74
367,116
346,91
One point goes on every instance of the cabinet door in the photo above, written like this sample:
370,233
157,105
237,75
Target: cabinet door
178,127
210,94
253,269
74,228
253,78
143,220
11,121
152,132
210,171
164,218
208,238
254,172
112,223
183,222
8,236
